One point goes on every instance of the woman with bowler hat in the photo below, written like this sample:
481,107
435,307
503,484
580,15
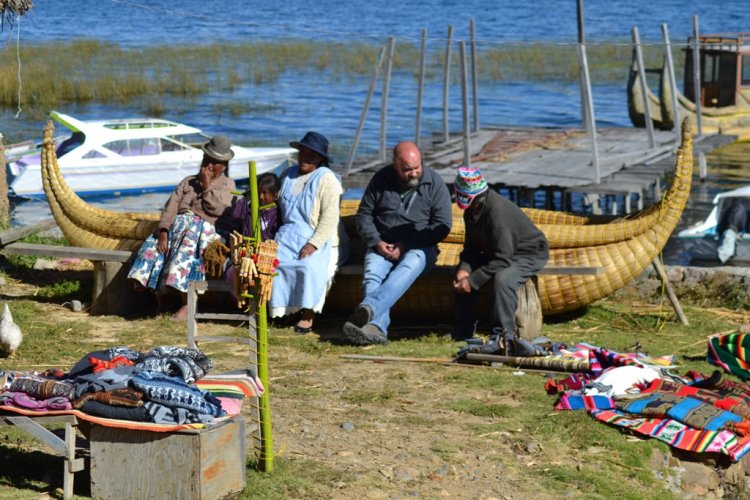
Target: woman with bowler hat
173,255
308,236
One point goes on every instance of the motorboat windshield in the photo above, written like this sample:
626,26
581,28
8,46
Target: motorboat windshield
70,143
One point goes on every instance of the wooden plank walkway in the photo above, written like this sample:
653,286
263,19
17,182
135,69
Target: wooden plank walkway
556,159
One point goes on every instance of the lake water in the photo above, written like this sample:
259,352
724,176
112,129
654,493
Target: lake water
293,104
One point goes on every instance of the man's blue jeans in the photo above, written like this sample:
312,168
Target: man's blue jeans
385,281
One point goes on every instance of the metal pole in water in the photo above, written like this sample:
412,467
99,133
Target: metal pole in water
465,103
420,87
582,41
672,84
590,110
365,109
644,86
446,83
697,84
474,84
386,87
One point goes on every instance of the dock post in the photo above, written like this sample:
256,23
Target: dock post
446,83
582,41
702,167
420,87
465,104
386,88
697,78
644,86
590,112
672,84
474,84
365,109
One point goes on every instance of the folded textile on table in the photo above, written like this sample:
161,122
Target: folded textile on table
41,388
126,396
175,393
23,400
235,384
188,364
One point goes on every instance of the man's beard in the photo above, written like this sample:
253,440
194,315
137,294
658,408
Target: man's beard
410,183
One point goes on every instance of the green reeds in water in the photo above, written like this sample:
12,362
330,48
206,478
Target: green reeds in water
90,70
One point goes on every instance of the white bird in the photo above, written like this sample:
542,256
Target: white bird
10,334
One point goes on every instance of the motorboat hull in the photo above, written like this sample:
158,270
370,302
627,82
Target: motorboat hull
142,177
128,156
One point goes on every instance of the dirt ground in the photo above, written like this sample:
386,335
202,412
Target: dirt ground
372,429
361,429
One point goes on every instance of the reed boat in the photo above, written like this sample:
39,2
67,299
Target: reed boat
724,91
635,99
623,247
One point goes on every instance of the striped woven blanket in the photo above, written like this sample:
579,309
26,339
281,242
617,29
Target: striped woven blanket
731,352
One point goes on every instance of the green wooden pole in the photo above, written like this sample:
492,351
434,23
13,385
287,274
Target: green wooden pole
264,403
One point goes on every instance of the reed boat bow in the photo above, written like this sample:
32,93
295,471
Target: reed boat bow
624,247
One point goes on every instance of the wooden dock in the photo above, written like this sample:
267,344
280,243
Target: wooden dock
558,162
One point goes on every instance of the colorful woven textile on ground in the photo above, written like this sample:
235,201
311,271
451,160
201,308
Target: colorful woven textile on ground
699,413
731,352
599,360
580,402
679,435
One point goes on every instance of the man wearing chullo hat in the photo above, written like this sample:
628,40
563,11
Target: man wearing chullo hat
502,248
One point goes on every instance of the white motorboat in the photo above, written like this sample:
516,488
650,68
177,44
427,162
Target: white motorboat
139,155
702,240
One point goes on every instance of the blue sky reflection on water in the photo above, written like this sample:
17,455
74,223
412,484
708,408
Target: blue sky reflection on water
292,105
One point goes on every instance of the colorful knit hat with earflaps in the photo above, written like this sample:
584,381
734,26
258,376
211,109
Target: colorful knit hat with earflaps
469,184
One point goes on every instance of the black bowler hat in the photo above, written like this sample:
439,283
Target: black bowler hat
314,142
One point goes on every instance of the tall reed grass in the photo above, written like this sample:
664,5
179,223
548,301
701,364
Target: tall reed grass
89,70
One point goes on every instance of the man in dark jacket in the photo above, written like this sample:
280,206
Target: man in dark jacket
502,247
404,213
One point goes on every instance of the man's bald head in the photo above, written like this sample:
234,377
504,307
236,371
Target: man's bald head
407,162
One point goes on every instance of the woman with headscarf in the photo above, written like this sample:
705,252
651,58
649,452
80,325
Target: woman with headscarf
308,237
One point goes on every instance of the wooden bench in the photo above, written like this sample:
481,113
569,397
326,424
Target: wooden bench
358,269
64,447
111,293
439,302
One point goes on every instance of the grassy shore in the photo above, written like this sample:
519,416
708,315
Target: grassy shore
89,70
358,429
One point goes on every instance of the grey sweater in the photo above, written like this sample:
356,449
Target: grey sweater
418,218
495,236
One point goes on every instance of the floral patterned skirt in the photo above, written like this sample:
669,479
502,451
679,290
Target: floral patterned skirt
188,237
